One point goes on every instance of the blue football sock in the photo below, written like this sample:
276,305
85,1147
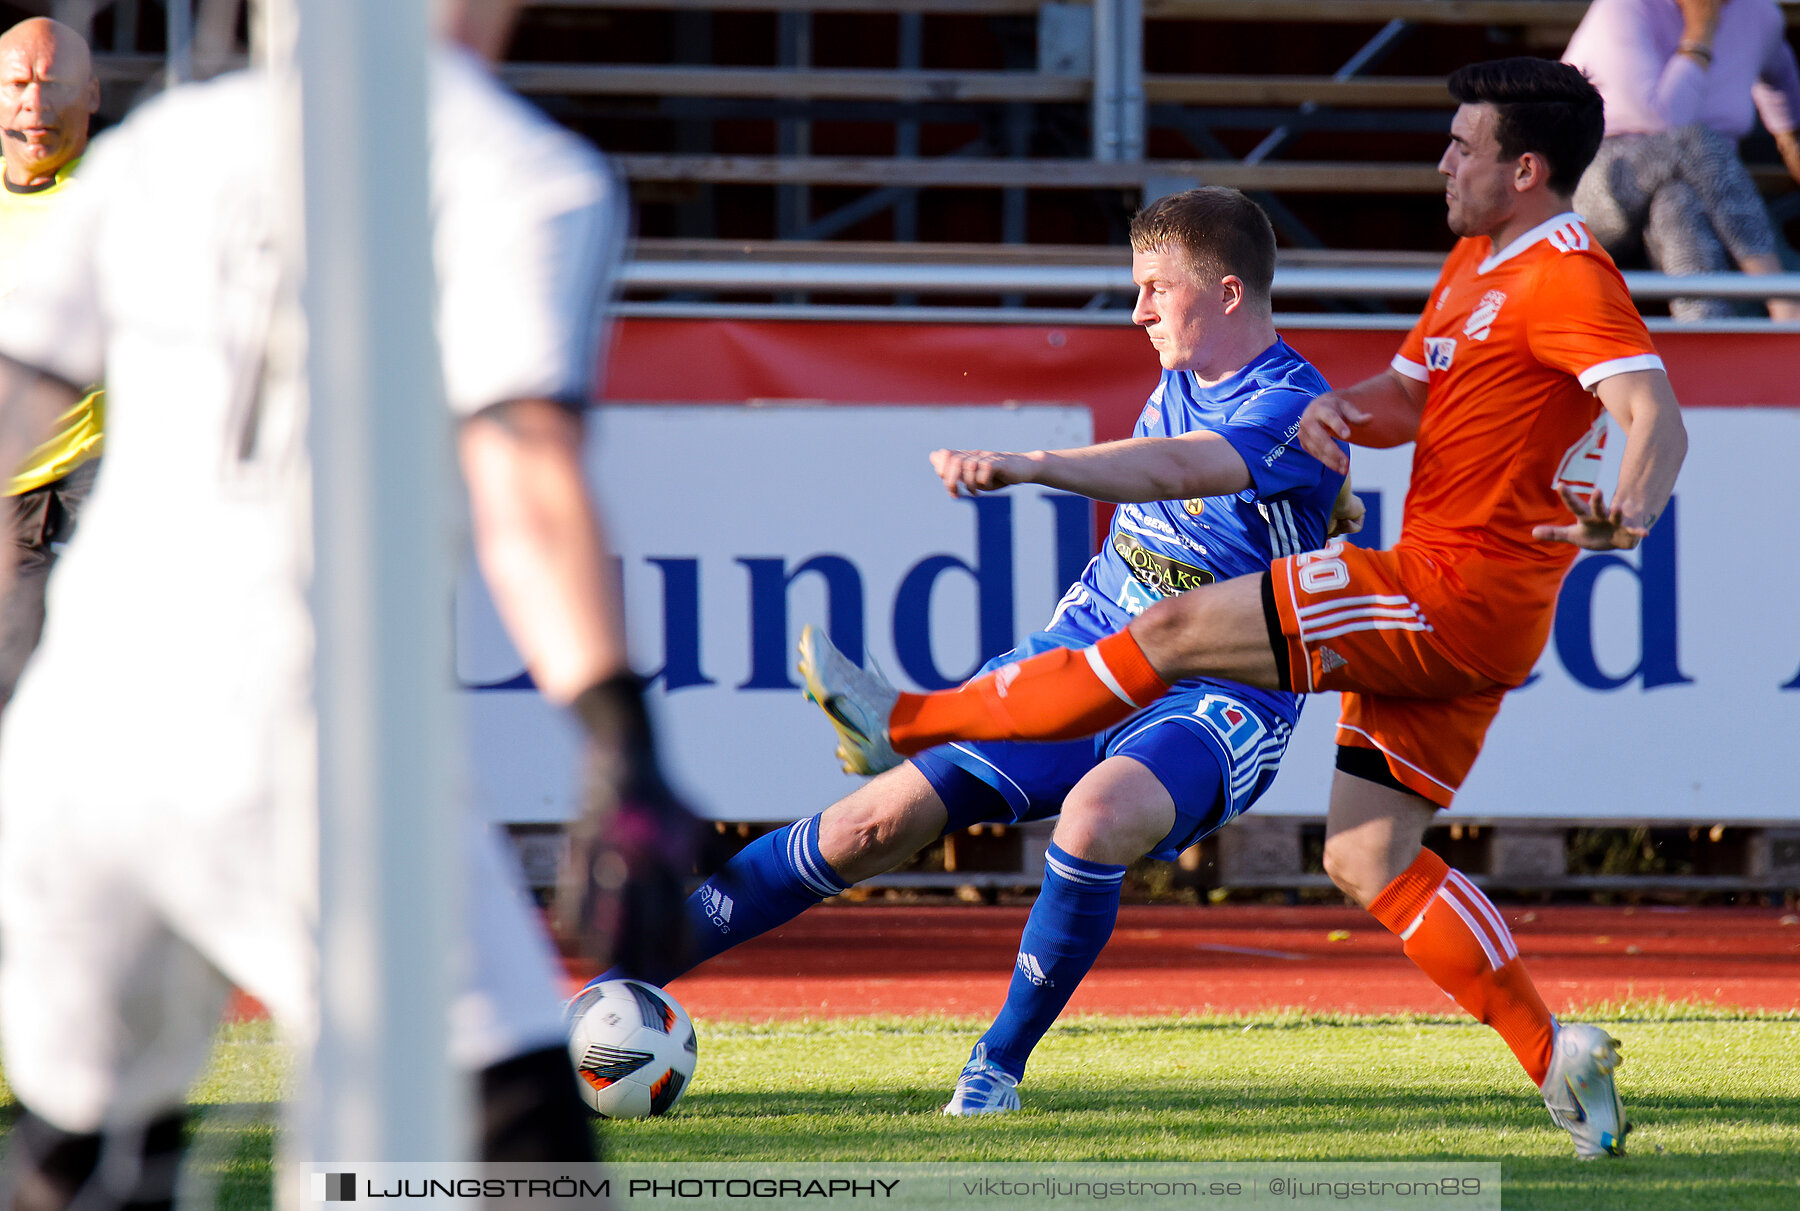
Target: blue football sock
769,882
1068,926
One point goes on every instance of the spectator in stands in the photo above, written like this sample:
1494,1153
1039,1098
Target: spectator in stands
47,94
1683,81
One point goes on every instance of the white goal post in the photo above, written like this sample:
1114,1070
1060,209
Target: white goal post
386,524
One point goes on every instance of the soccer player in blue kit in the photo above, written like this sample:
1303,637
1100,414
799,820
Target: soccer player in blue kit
1212,485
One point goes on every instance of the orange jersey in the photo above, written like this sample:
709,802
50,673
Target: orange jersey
1510,348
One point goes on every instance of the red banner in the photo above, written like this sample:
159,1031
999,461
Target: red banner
1112,370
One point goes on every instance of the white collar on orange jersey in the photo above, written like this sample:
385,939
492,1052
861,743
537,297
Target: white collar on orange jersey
1520,244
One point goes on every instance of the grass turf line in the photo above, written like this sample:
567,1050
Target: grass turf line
1717,1090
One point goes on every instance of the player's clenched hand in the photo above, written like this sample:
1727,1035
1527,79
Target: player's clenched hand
623,884
1327,421
966,472
1597,527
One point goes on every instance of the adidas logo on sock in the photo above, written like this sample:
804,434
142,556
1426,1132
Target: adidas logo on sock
718,907
1004,676
1033,970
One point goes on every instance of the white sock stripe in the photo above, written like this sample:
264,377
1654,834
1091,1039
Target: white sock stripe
1065,871
796,853
1407,933
825,883
1075,875
1419,920
1473,895
1479,934
1097,662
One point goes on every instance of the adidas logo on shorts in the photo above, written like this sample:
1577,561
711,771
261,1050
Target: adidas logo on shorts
1033,970
1330,661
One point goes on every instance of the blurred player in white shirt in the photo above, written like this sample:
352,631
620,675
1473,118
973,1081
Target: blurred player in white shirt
157,765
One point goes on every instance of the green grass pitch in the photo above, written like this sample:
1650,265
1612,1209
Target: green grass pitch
1715,1098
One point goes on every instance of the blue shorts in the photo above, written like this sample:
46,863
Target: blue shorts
1215,753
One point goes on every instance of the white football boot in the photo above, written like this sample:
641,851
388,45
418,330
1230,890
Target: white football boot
1580,1093
983,1088
858,702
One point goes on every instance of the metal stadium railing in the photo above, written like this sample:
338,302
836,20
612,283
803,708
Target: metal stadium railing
1105,291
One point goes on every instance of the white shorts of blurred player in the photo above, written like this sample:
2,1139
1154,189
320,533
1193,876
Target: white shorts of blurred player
138,886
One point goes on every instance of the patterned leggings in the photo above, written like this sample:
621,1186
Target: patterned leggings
1685,198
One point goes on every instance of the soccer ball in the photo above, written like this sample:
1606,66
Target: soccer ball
633,1046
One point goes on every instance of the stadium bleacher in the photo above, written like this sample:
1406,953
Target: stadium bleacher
1016,122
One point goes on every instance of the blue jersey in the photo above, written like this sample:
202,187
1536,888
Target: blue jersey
1165,547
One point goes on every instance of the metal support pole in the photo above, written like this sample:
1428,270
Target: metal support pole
1106,80
1130,17
215,36
697,217
793,135
1373,52
906,131
391,830
125,26
180,41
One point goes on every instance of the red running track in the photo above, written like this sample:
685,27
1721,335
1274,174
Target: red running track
868,959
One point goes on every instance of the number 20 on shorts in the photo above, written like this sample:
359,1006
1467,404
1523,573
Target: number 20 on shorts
1322,571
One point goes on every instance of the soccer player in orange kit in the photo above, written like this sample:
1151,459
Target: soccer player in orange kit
1528,335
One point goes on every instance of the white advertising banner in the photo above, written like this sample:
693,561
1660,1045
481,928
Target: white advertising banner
1670,687
735,527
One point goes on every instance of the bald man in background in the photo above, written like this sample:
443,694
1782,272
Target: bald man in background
47,95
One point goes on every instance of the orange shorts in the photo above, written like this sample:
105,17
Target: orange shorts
1353,624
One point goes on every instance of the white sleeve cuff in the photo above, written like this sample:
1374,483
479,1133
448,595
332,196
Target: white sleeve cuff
1619,365
1414,370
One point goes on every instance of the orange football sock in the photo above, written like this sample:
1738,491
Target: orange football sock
1457,937
1058,695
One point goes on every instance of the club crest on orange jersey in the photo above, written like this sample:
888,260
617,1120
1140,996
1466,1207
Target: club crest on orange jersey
1481,320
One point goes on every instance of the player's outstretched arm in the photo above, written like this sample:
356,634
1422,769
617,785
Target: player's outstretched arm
1644,405
540,545
1134,470
548,566
1378,412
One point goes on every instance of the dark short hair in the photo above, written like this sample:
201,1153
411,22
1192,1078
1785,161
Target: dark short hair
1545,107
1221,231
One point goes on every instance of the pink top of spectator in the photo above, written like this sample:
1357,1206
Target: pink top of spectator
1627,48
